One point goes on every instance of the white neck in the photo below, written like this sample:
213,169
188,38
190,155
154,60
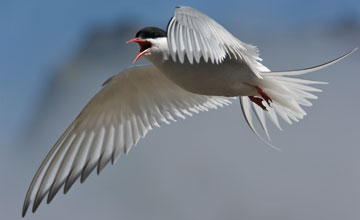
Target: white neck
159,52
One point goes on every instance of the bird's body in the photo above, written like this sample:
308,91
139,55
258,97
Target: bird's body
229,78
196,65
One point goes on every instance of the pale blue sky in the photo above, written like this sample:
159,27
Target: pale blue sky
38,35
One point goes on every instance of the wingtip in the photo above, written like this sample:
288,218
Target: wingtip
24,210
36,205
54,189
69,182
68,186
87,171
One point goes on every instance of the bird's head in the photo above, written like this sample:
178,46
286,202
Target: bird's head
151,40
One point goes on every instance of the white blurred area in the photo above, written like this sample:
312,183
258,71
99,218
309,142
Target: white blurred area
209,166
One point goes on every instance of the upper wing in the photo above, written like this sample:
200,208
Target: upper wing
196,35
128,106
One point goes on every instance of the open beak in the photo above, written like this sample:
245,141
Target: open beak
144,45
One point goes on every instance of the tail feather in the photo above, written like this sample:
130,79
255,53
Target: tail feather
288,95
246,104
261,118
310,69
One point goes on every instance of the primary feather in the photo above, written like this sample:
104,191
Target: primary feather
128,106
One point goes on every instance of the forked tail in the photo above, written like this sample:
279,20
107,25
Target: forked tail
287,94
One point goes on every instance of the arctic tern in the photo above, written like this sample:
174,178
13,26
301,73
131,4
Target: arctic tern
197,66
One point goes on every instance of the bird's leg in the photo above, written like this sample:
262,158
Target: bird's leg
258,101
263,95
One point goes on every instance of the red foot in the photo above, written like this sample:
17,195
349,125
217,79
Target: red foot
258,101
263,95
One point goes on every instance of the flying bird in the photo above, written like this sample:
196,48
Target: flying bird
197,65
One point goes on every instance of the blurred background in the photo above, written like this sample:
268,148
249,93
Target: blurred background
54,56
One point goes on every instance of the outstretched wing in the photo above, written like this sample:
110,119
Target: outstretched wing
128,106
194,34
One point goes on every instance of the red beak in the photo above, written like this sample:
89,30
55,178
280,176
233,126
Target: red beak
144,45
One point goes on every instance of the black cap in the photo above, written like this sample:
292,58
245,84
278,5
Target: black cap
150,32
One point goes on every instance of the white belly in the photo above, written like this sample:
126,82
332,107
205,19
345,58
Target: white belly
229,78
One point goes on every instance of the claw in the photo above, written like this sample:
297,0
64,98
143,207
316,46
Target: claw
258,101
263,95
